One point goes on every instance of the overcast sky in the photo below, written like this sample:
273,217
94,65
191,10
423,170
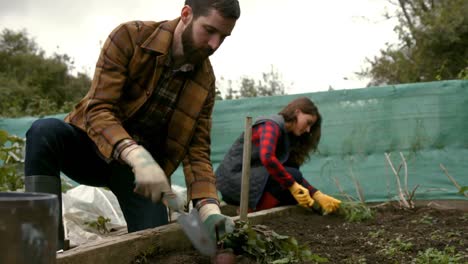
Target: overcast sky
313,44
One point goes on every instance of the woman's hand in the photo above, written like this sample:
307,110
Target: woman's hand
328,203
301,194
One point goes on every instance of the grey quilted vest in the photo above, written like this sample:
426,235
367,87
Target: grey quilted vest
229,172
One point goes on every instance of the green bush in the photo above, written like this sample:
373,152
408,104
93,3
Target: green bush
11,162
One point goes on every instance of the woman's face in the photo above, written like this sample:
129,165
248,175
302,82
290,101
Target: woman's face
303,123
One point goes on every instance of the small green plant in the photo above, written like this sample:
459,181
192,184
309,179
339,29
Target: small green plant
437,235
355,211
426,219
463,190
435,256
397,246
266,246
376,234
356,260
143,258
11,162
99,225
447,237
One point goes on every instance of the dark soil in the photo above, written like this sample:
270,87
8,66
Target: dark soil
394,236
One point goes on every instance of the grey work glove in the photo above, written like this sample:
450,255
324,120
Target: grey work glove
150,179
211,216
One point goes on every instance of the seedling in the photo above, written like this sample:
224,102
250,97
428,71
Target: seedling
355,211
426,219
376,234
143,257
99,225
464,190
397,246
435,256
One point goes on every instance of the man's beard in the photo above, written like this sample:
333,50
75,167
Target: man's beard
192,53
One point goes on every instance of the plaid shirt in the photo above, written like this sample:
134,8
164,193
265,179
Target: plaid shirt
149,125
266,136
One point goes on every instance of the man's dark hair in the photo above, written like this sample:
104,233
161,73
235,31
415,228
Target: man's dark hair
226,8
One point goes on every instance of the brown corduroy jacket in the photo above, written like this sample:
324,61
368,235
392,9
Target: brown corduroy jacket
126,74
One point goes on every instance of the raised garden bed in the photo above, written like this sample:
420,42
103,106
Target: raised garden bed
431,231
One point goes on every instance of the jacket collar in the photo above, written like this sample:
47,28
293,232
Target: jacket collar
161,39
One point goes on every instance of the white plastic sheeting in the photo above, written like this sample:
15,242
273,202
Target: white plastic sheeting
84,204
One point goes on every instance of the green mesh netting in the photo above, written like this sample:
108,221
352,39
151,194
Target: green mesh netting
427,123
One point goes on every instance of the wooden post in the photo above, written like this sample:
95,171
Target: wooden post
244,203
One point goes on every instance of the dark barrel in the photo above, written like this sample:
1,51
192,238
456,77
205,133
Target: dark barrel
28,227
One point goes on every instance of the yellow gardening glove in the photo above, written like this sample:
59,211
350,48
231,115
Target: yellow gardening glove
301,194
328,203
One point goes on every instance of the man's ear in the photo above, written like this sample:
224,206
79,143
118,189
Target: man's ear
186,14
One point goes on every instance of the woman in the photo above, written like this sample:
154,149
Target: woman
280,145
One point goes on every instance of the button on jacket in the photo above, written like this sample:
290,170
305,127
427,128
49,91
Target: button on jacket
126,75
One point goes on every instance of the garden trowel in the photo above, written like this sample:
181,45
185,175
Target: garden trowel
192,226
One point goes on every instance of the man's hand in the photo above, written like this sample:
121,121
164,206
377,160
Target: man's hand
211,216
150,179
301,194
328,203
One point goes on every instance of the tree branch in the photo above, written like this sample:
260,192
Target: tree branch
408,19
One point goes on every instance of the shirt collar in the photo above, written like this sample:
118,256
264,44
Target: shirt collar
168,61
161,39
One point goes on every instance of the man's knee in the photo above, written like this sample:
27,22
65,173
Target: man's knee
47,126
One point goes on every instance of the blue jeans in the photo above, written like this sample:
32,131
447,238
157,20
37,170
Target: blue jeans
54,146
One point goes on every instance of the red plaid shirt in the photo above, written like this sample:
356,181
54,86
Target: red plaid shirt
265,136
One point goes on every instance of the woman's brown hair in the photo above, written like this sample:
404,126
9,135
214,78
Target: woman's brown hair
302,146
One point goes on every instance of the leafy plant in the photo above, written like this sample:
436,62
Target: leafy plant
355,211
143,257
266,246
99,225
396,246
463,190
435,256
426,219
11,162
376,234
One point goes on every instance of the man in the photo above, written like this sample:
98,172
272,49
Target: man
149,109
